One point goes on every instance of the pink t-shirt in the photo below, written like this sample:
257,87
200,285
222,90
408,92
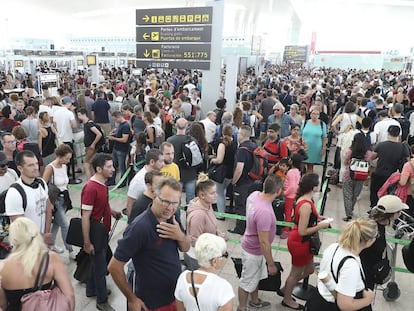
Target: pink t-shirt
259,217
407,170
291,183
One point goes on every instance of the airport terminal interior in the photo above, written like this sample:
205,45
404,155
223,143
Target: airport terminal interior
229,45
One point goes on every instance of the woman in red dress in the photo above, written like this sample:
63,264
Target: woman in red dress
306,223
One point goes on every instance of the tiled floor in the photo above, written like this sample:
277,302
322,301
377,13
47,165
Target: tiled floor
334,208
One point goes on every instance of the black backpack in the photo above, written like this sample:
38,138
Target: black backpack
101,143
405,127
20,189
368,141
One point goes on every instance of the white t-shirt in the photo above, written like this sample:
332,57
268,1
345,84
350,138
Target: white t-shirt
63,117
60,177
210,129
157,121
213,293
7,179
381,128
350,281
36,203
137,185
44,108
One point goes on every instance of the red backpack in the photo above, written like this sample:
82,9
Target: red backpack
259,167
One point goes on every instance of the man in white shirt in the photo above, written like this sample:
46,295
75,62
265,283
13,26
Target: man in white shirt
65,122
38,207
210,126
7,175
381,128
153,160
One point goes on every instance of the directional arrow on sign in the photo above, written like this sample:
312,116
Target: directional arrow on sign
146,18
146,53
145,36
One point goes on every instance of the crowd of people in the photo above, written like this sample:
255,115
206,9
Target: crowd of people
152,134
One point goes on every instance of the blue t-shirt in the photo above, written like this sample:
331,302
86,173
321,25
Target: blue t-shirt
123,128
100,108
156,260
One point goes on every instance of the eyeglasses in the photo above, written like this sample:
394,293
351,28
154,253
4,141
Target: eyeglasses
3,165
277,109
167,203
10,142
225,255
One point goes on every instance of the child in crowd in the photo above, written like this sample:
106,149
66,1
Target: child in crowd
290,186
283,168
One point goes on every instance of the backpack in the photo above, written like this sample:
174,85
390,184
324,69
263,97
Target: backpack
101,142
405,127
368,141
20,189
159,135
259,167
246,118
321,124
191,153
359,169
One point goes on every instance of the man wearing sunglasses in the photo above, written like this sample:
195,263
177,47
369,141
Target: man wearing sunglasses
283,120
152,241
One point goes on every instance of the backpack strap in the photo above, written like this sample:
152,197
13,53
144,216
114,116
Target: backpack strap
22,193
340,265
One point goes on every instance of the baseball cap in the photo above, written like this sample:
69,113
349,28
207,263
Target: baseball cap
391,204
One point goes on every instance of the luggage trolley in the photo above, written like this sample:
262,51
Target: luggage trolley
404,226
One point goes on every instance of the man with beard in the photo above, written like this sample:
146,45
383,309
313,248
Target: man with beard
170,169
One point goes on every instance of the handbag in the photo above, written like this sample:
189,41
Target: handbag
382,271
83,264
97,233
271,283
358,169
315,243
217,172
50,299
53,190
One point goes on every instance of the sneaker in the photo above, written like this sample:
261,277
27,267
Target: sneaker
284,235
104,306
57,249
259,305
72,255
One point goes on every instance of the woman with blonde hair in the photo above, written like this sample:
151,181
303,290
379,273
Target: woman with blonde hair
342,262
18,273
200,216
214,293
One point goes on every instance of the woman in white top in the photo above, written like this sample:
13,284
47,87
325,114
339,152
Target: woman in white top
342,262
212,293
56,173
348,117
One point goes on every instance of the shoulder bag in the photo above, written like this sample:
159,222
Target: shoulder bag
97,233
382,270
217,172
53,190
50,299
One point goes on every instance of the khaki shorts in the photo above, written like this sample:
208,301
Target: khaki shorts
254,270
89,153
